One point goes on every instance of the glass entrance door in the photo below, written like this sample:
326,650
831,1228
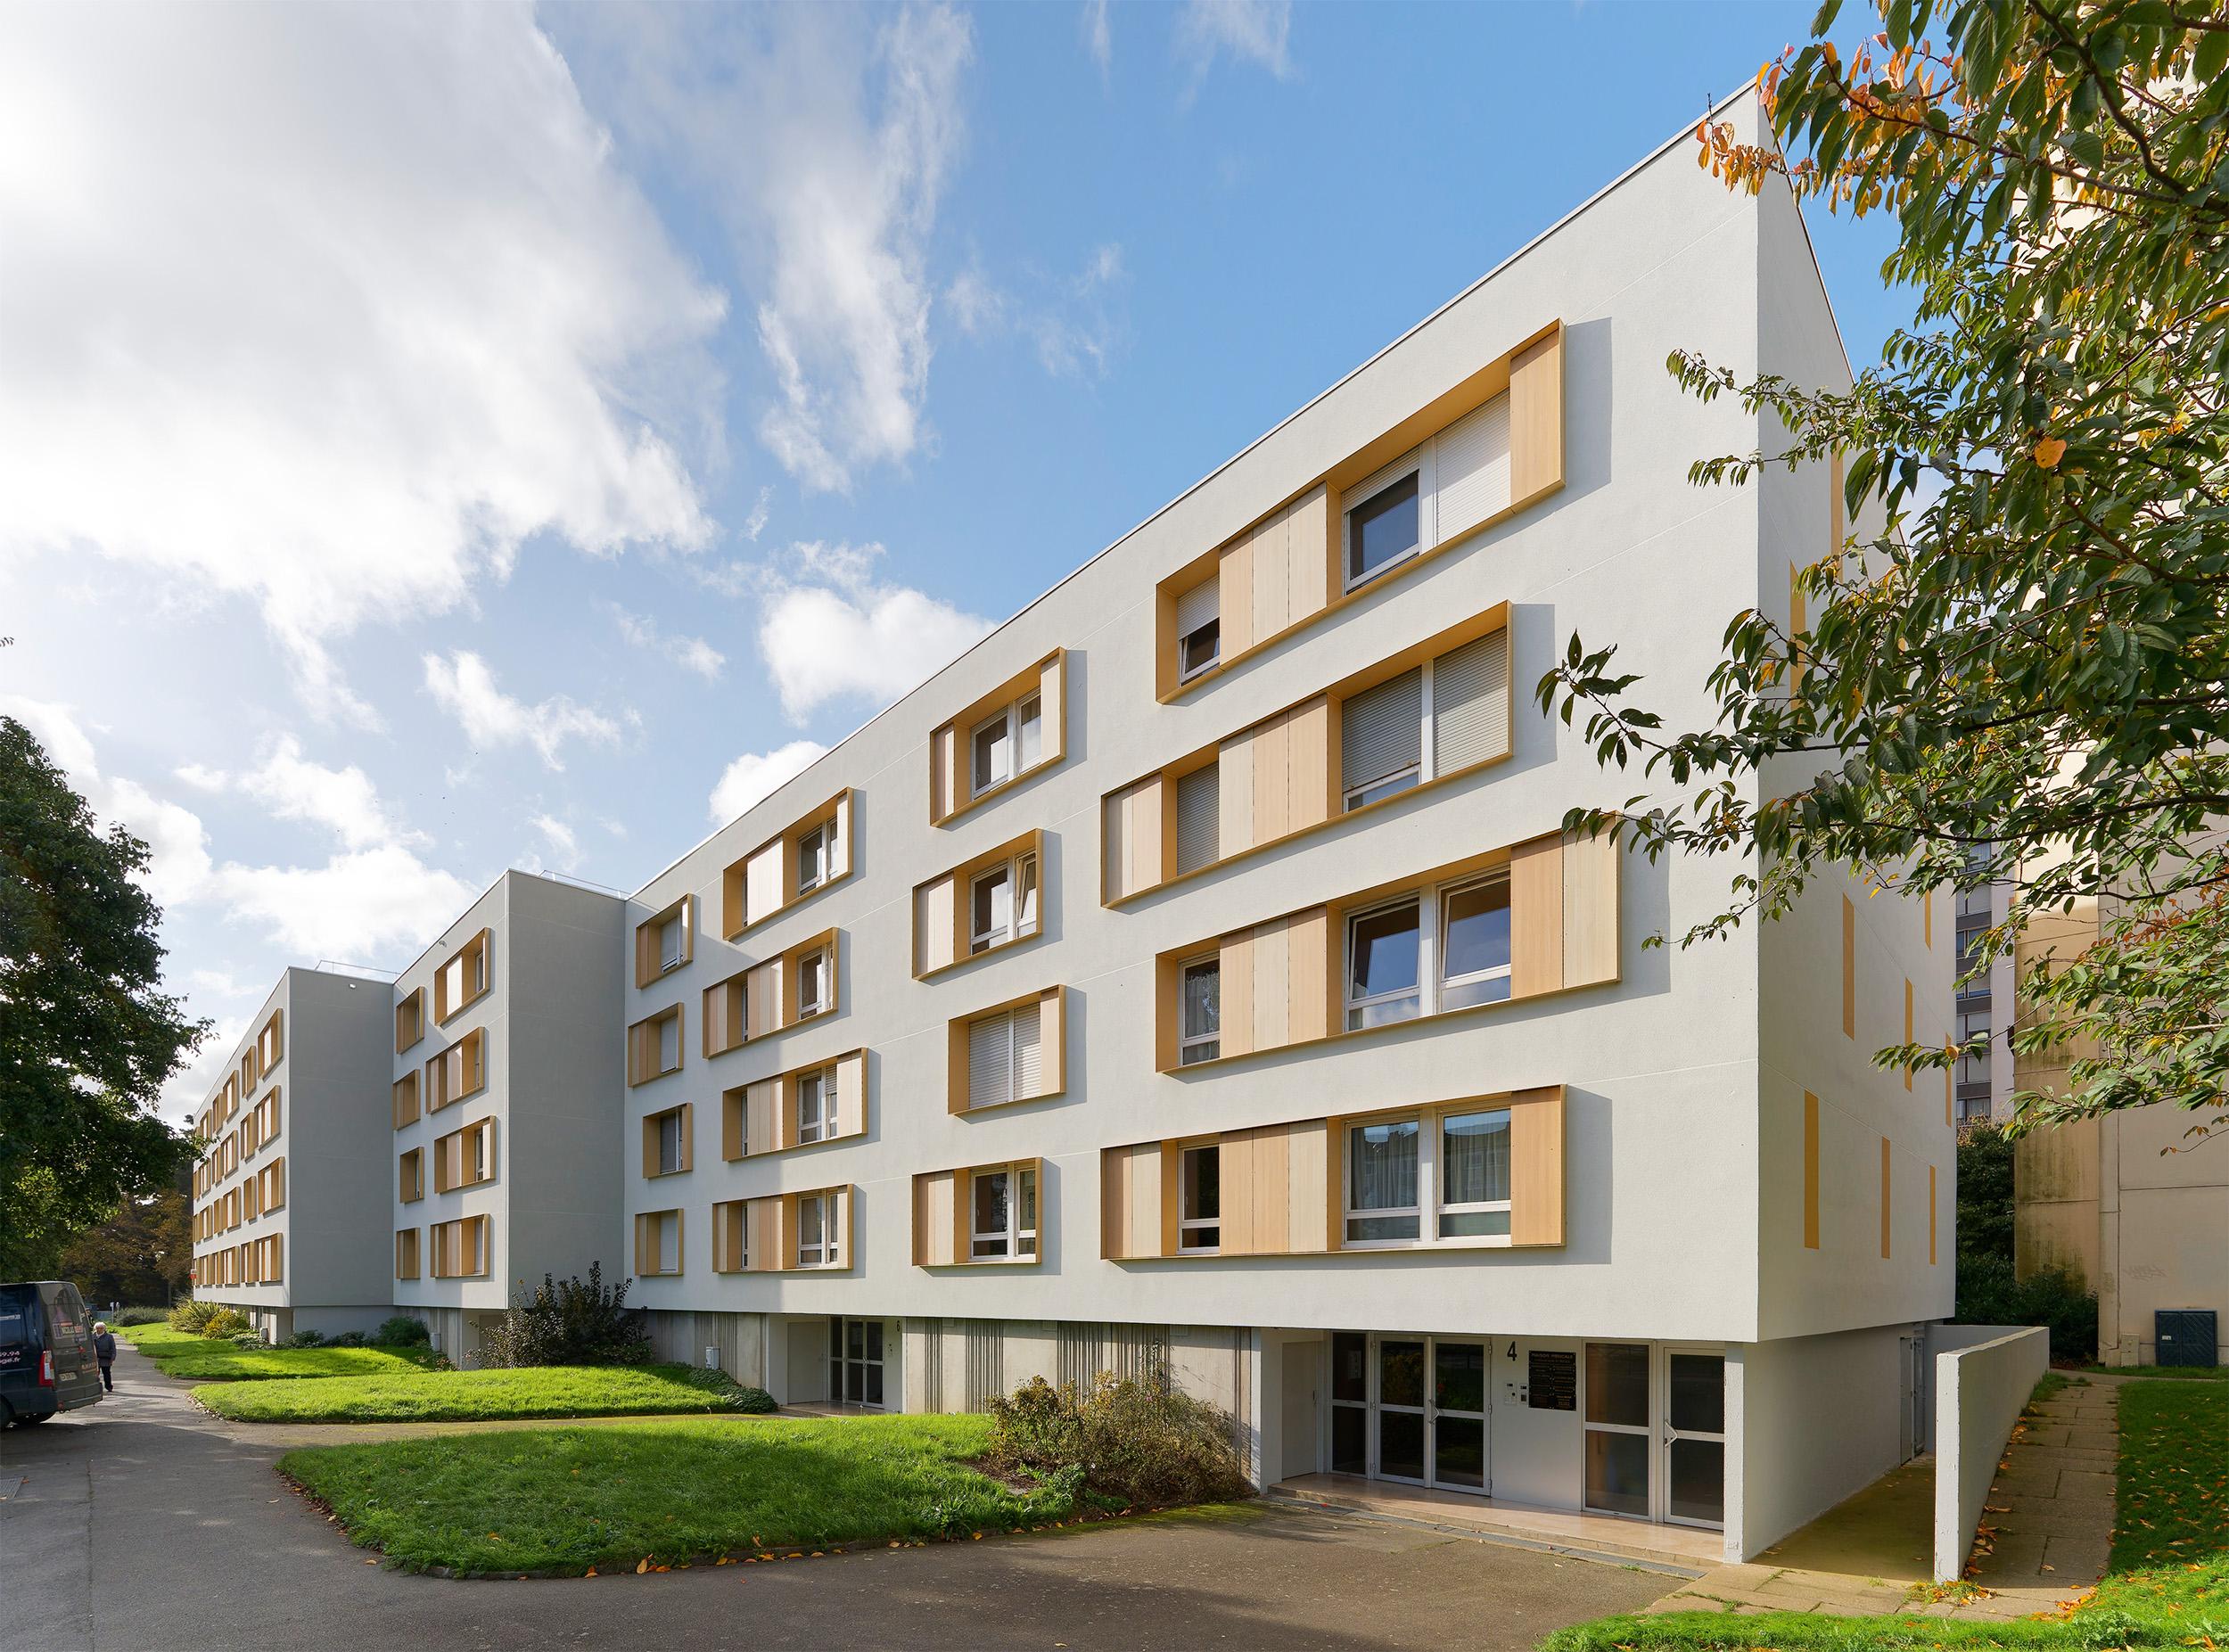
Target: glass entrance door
1458,1415
1401,1378
1412,1409
1695,1436
855,1362
1618,1449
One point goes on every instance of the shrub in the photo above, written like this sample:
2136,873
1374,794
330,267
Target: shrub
1989,1294
306,1339
189,1315
402,1331
226,1322
346,1339
140,1316
1136,1440
570,1322
249,1339
738,1396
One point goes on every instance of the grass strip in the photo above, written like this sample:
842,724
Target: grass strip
199,1359
418,1396
567,1499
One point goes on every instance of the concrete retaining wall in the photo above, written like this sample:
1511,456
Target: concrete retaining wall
1978,1393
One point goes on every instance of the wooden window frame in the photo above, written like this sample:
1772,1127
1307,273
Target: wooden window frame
1052,1066
944,907
943,1232
951,745
404,1099
406,1260
643,1041
270,1049
474,1227
776,1105
471,1054
1188,1042
1531,372
410,1020
726,1003
684,1113
481,968
650,964
410,1175
738,917
1156,790
469,1139
760,1235
648,1222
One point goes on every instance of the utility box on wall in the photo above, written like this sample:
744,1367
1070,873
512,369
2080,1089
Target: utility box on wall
2185,1336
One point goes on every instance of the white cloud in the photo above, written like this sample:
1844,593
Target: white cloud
825,147
190,1086
976,305
756,773
178,862
1247,30
1073,323
846,637
691,654
1098,37
343,801
564,846
464,687
330,308
755,523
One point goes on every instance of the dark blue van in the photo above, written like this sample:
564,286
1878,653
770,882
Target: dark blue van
47,1359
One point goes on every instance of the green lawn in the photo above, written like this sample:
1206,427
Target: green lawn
563,1500
2167,1585
416,1396
199,1359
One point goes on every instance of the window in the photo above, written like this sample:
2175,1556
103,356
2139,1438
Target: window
1005,1214
1202,1036
1199,1199
410,1175
410,1021
1007,744
405,1253
1005,1057
1381,742
671,935
812,983
817,1220
1002,903
658,1242
1381,530
1382,977
1474,1174
1475,943
1198,818
462,980
815,1105
1381,1188
1199,628
669,1158
812,858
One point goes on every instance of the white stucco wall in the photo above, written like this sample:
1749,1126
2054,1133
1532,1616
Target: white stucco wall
1817,1418
1979,1392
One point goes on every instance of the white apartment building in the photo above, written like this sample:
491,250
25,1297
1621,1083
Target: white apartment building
1195,975
498,1158
284,1212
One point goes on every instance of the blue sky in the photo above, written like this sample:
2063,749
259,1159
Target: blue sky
440,439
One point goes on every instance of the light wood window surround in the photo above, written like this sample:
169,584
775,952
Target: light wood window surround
462,980
270,1187
984,1215
466,1158
460,1248
410,1177
248,1072
1486,449
405,1253
1286,982
669,1140
1289,774
798,984
653,1046
406,1099
657,1242
971,761
807,1232
409,1019
665,941
1008,1054
457,1071
1286,1189
270,1049
800,1108
805,858
983,905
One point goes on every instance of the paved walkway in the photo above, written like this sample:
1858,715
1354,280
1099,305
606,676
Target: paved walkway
2046,1530
142,1525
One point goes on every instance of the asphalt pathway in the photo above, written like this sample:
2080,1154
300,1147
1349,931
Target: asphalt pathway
144,1523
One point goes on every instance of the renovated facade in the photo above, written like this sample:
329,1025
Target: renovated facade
1195,977
501,1058
282,1202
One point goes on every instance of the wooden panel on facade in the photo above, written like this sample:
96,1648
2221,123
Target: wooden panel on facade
1536,420
1591,872
1536,1166
1536,917
1236,961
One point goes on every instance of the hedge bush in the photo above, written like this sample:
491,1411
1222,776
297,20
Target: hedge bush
1134,1441
402,1331
1988,1295
570,1322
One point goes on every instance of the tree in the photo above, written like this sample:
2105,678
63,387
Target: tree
2031,652
86,1039
141,1257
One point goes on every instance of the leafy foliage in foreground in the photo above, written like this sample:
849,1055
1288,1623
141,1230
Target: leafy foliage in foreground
2027,650
570,1498
1135,1441
570,1322
397,1392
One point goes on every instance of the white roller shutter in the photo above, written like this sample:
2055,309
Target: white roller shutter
1364,491
1382,729
1470,468
1029,1062
1470,703
1198,605
989,1061
1198,818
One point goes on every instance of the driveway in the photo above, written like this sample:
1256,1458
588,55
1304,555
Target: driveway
141,1523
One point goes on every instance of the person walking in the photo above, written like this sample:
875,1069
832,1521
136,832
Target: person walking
104,1350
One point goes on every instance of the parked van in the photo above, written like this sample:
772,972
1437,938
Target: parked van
47,1359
